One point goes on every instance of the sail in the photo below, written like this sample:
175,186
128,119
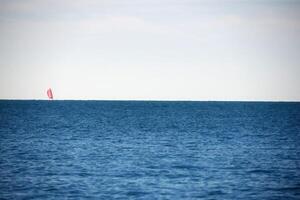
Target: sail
49,93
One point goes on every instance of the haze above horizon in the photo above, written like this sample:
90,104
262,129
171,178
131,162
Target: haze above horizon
150,50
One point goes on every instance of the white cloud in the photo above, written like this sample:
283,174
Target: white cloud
173,50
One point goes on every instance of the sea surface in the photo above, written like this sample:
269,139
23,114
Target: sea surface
149,150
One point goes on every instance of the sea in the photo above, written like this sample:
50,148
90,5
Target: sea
149,150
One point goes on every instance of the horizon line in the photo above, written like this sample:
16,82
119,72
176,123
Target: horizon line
157,100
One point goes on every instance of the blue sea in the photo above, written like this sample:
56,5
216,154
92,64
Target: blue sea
149,150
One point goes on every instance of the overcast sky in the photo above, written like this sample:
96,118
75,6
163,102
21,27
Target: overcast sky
150,49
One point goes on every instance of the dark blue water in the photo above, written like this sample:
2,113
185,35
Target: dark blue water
149,150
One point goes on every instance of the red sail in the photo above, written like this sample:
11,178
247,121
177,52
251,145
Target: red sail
49,93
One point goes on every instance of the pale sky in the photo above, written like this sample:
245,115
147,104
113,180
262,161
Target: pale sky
150,49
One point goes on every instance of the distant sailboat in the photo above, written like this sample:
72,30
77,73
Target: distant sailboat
49,93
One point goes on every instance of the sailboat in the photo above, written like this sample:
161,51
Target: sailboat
50,94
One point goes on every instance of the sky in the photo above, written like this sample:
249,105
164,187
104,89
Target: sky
150,49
